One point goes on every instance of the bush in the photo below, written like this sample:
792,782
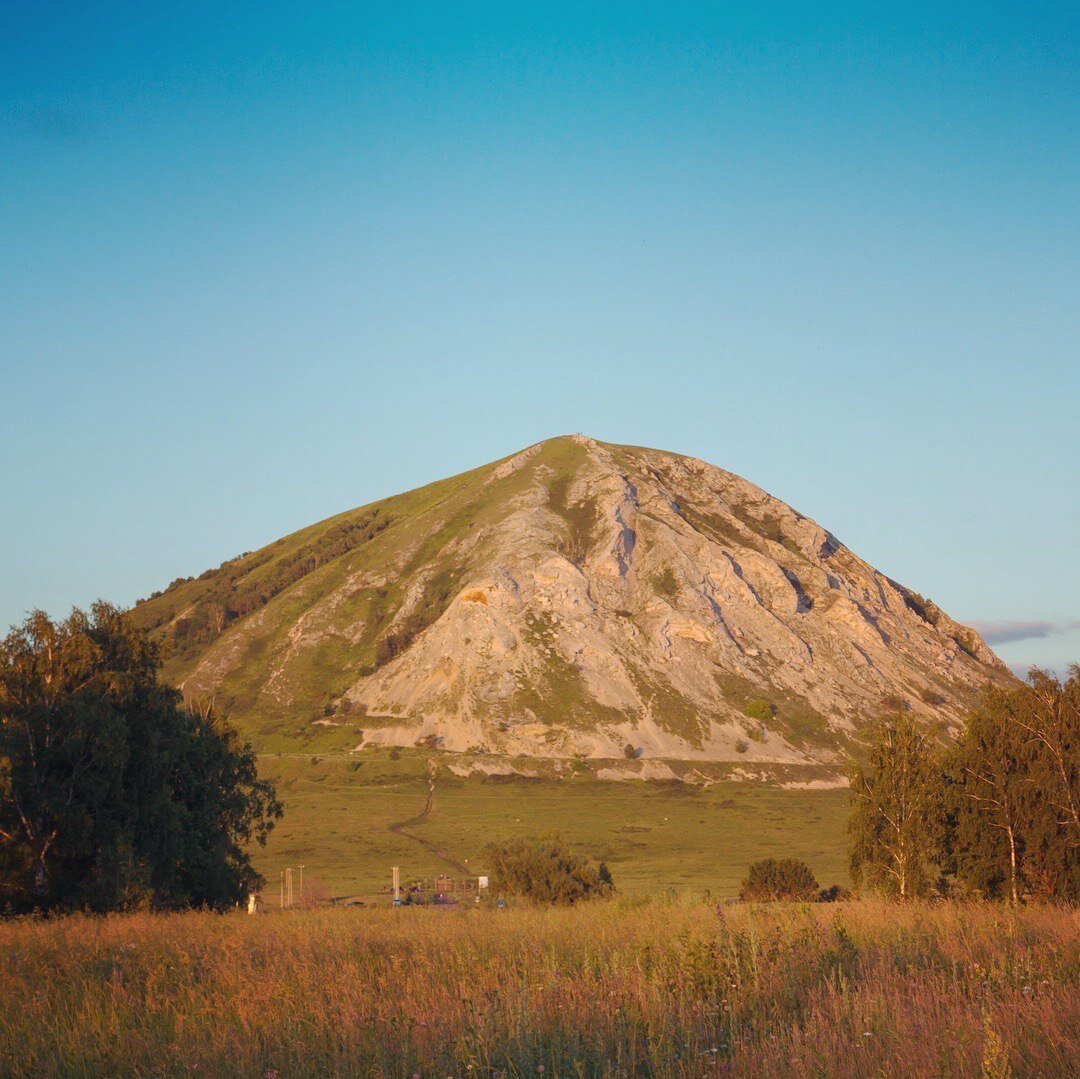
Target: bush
630,753
545,871
759,708
835,893
742,745
779,879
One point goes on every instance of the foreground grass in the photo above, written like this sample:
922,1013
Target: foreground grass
653,835
619,988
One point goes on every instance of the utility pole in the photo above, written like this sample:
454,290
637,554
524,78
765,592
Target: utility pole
397,884
282,884
301,884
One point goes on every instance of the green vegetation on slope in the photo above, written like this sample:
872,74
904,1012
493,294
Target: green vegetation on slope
238,617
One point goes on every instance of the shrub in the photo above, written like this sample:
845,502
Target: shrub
666,583
545,871
835,893
759,708
779,878
742,745
630,753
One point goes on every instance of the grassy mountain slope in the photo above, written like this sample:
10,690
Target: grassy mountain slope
577,597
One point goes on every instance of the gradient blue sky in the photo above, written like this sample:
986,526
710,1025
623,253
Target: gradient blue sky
263,262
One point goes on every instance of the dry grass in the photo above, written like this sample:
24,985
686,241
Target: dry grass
612,989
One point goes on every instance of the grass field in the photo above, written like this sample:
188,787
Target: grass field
619,988
653,835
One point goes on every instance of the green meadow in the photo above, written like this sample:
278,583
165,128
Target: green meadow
655,836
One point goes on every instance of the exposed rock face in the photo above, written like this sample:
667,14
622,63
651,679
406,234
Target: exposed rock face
581,598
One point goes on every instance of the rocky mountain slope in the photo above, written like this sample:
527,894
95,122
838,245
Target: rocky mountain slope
576,598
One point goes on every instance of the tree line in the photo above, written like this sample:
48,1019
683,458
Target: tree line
993,815
244,584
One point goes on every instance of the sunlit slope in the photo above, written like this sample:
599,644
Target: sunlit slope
577,597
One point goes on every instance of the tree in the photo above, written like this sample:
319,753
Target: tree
545,871
896,822
779,878
1014,791
113,793
986,795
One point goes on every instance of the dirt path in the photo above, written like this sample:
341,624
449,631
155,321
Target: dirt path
400,826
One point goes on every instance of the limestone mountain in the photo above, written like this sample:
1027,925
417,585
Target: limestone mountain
575,598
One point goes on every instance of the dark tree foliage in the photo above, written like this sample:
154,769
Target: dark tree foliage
1014,792
113,793
439,589
244,584
779,878
545,871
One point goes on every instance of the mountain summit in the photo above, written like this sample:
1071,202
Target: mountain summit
575,598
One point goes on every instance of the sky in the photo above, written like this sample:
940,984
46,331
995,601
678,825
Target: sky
263,262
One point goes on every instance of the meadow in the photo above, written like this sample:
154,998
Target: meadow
655,836
618,988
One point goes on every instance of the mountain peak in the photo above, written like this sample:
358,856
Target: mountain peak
575,597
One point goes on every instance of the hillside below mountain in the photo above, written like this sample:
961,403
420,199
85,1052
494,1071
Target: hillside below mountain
577,598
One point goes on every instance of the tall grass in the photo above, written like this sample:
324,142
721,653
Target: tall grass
608,989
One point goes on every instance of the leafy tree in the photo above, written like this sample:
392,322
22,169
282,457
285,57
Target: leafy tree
113,793
986,799
545,871
1014,791
897,817
779,878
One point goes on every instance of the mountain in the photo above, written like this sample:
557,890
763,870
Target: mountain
575,598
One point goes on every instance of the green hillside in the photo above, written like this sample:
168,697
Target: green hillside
254,599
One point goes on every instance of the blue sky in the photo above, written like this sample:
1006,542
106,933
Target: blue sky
264,262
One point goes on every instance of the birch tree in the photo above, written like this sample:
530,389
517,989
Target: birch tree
897,810
1014,791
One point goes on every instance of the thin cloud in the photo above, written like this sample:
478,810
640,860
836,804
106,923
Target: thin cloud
1008,632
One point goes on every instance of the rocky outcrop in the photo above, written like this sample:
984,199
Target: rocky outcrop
584,598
